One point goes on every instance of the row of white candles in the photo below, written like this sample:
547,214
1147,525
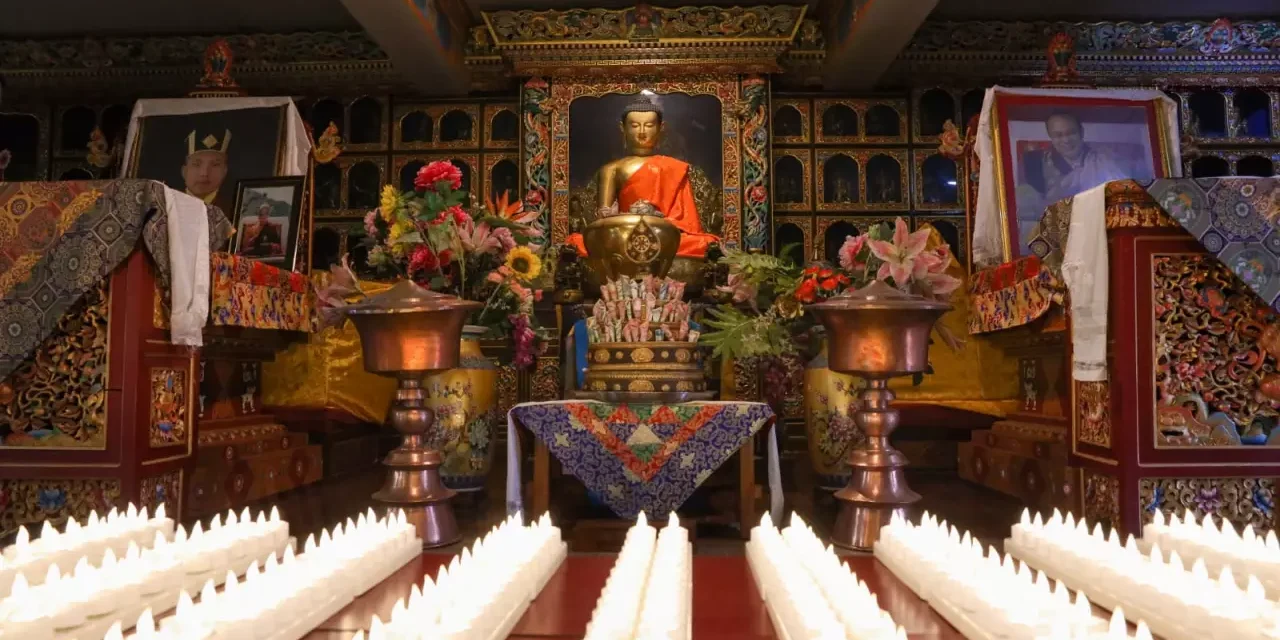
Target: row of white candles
483,592
1220,547
63,549
647,563
809,593
86,601
1177,601
667,612
987,596
286,599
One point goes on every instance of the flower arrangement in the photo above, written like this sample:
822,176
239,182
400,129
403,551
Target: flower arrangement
766,318
488,254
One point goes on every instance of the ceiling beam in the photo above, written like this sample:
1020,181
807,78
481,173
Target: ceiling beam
423,42
865,38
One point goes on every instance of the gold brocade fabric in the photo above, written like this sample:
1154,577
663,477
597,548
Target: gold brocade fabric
327,371
979,377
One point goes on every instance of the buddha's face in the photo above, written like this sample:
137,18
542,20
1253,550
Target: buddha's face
641,132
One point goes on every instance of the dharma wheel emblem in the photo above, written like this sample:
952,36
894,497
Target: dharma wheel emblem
643,244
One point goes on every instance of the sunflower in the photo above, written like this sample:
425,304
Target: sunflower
390,202
524,263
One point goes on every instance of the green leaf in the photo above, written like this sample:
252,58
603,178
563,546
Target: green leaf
413,237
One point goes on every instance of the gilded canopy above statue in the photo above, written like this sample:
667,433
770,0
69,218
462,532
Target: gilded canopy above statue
640,39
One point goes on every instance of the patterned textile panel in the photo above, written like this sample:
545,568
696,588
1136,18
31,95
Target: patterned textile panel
1012,294
643,457
247,293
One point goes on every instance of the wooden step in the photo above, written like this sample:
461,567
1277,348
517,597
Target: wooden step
1040,482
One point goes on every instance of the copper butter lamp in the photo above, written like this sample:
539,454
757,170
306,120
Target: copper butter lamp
877,333
407,332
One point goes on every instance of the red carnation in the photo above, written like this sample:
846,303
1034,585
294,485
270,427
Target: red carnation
829,284
423,259
438,171
807,291
460,215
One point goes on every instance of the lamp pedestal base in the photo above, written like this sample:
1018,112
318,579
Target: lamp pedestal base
877,488
413,481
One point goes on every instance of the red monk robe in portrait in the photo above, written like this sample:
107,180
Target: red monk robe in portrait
664,182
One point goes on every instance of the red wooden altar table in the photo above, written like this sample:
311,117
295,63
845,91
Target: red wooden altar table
726,605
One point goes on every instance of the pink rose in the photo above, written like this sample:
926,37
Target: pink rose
851,251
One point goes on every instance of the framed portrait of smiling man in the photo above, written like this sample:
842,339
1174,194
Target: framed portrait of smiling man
1047,145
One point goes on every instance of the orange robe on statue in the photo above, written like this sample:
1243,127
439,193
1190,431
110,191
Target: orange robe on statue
664,182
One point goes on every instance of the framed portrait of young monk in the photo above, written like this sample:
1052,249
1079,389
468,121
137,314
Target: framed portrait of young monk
206,146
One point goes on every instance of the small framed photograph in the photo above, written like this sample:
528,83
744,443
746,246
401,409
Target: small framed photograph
268,212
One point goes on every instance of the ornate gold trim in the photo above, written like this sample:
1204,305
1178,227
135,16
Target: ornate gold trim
490,112
383,114
805,223
436,112
918,158
491,159
805,107
344,163
805,156
723,88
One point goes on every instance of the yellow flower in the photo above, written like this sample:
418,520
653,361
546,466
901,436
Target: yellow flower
524,263
390,202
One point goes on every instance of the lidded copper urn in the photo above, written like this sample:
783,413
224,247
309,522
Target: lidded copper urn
877,333
407,332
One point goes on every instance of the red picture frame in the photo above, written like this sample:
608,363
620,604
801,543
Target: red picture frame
1010,167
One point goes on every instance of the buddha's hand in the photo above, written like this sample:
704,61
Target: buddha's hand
605,212
644,208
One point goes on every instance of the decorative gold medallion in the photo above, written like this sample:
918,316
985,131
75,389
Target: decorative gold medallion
640,385
641,355
643,244
602,355
682,355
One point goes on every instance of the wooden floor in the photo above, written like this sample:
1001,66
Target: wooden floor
984,513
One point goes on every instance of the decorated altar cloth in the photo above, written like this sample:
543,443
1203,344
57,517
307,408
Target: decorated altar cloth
641,457
61,239
248,293
1012,294
1236,220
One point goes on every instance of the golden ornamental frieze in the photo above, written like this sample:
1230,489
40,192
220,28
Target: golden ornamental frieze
642,23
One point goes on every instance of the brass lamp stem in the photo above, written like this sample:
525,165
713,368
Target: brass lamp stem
877,488
413,480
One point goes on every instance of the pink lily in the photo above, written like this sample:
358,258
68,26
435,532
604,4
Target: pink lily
479,238
904,258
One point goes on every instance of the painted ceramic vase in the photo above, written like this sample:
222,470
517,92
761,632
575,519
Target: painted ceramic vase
465,400
829,402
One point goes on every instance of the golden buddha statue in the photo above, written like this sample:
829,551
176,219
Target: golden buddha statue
643,176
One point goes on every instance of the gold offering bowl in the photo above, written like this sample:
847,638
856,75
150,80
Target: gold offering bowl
635,245
406,332
645,367
876,333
